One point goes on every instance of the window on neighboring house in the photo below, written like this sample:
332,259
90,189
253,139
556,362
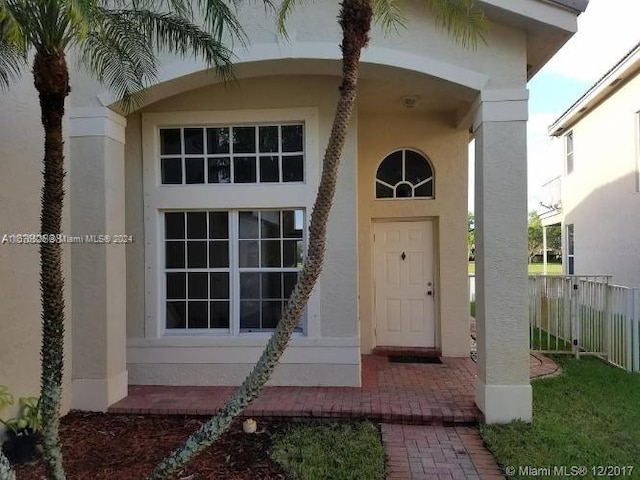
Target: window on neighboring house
232,154
570,250
638,151
568,146
404,174
230,271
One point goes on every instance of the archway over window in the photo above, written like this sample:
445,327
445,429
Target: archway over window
404,174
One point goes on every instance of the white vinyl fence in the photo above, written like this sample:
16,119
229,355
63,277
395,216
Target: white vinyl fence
583,315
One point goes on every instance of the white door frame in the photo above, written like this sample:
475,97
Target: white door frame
433,273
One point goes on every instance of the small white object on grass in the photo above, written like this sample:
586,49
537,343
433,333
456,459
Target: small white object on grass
249,425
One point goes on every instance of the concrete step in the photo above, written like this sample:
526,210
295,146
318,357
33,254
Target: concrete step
383,351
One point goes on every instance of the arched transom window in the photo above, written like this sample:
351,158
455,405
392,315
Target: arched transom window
404,174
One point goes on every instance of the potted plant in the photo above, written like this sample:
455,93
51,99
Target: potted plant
23,430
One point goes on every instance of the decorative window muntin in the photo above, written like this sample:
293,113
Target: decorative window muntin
237,154
404,174
270,255
230,271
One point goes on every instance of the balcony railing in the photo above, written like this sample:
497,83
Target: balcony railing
551,197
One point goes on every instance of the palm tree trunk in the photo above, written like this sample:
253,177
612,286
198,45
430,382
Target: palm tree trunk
6,473
355,20
51,79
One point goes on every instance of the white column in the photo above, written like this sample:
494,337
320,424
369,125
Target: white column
98,280
503,391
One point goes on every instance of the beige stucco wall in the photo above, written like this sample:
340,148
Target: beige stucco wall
446,147
101,353
500,57
600,197
21,150
498,62
338,285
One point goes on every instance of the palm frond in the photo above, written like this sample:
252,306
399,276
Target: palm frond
120,49
12,60
9,25
39,24
121,57
388,13
286,7
175,34
220,18
183,8
78,15
13,47
463,19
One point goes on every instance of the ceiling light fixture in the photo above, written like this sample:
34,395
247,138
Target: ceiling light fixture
409,101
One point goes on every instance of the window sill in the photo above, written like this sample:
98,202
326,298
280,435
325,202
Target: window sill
244,340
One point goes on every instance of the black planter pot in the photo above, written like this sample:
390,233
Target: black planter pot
20,448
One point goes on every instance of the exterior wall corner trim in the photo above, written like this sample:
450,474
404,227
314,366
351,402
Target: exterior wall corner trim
97,122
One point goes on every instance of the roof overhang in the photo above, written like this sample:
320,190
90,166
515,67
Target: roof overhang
547,23
623,71
575,5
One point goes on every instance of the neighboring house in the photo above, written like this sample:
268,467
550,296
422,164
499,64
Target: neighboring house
600,207
214,183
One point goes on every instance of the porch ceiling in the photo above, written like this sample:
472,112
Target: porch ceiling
382,89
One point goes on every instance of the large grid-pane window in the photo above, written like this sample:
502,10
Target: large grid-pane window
270,245
197,270
242,154
231,271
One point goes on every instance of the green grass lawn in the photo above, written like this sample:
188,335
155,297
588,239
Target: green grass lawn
336,451
589,416
552,269
543,340
534,268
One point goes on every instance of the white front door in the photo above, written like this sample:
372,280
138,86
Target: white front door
404,292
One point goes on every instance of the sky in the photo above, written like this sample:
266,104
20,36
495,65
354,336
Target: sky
606,31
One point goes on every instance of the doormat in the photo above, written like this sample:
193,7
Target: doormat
413,359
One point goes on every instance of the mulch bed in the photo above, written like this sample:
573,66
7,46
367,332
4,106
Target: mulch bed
127,447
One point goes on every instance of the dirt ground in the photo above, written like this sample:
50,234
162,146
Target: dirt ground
126,447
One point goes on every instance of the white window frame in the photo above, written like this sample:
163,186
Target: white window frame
637,130
159,198
431,179
232,155
571,252
234,270
569,153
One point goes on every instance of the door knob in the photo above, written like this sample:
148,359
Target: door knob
403,256
429,292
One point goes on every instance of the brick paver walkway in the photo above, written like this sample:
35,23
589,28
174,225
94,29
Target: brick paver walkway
417,452
391,392
426,410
